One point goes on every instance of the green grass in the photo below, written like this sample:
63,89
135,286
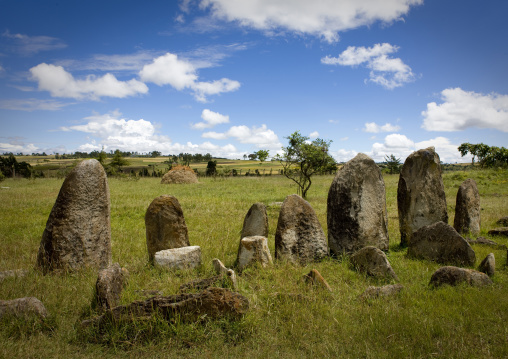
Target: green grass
420,322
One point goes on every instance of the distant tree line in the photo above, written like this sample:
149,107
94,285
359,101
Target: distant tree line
486,156
10,167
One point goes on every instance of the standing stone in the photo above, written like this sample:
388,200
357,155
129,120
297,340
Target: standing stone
299,236
421,197
356,213
78,231
256,221
467,208
253,250
165,225
373,261
488,265
109,285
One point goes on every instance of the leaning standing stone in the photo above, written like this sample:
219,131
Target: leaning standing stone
299,236
488,265
165,225
421,198
356,213
78,232
467,208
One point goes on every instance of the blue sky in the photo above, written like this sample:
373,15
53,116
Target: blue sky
230,77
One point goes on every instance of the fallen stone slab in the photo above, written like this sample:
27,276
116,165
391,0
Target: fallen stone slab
454,276
178,258
373,261
486,242
502,231
13,273
384,291
488,265
253,250
211,303
316,279
23,307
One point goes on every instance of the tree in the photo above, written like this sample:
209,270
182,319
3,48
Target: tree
101,157
244,157
211,168
9,166
118,161
487,156
253,156
262,155
155,154
302,159
392,164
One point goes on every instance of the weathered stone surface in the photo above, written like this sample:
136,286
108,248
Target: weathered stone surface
421,198
486,242
373,261
503,231
178,258
356,207
253,250
78,232
211,303
255,222
488,265
503,221
165,225
384,291
22,307
315,278
454,276
109,285
467,208
440,242
299,237
13,273
221,269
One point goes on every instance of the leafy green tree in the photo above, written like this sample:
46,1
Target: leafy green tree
486,156
211,168
392,164
9,166
302,159
101,157
262,155
118,161
253,156
155,154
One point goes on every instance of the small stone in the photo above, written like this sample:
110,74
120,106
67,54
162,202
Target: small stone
23,307
253,250
223,271
109,285
486,242
315,278
454,276
488,265
502,231
384,291
13,273
503,221
373,261
467,208
178,258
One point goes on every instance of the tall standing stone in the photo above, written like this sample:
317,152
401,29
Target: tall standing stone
421,197
356,213
299,236
467,208
165,225
255,222
78,231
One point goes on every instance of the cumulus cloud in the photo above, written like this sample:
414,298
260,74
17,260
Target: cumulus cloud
465,109
386,71
314,134
323,18
30,45
31,104
61,83
181,74
15,145
373,127
261,137
343,155
210,119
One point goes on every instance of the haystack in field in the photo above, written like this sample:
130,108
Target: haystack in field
180,174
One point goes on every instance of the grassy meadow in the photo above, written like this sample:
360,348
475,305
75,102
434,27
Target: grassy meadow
420,322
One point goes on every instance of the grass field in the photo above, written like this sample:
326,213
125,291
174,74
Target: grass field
420,322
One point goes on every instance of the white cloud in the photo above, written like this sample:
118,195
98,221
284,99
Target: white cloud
314,134
385,71
112,63
30,45
181,74
343,155
210,119
373,127
61,83
323,18
32,104
465,109
261,137
16,146
344,138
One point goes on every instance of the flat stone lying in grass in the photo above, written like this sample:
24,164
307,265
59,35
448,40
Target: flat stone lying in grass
488,265
23,307
502,231
467,208
315,278
253,250
178,258
384,291
440,242
486,242
109,285
373,261
454,276
13,273
211,303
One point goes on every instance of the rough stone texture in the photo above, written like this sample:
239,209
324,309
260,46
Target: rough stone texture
488,265
454,276
486,242
373,261
503,221
13,273
441,243
421,198
179,177
109,285
211,303
78,231
253,250
384,291
178,258
165,225
299,237
356,209
22,307
255,222
467,208
221,270
315,278
503,231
